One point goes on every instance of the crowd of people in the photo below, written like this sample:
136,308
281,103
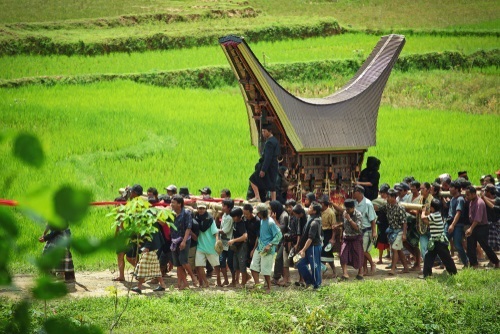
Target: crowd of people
414,222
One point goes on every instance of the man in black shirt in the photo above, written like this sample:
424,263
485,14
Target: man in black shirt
266,173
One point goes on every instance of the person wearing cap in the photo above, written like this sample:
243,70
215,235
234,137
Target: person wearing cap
263,254
488,195
310,197
380,204
351,252
478,230
240,247
171,191
226,234
328,225
206,193
181,241
310,248
368,228
207,238
266,173
403,195
369,178
396,217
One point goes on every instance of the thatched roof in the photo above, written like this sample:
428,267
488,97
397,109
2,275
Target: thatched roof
345,120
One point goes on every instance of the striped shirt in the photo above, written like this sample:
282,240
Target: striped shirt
436,225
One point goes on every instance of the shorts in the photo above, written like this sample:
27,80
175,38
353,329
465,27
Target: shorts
398,243
226,259
262,264
180,257
367,241
202,258
240,258
192,256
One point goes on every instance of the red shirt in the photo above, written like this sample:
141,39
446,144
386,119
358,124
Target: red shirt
477,212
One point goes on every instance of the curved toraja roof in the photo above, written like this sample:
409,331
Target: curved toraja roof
345,120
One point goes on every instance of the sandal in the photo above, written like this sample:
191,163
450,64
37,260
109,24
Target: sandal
343,278
118,279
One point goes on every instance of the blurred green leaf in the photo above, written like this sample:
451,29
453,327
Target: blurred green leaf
86,245
59,325
21,321
28,148
51,259
8,223
39,206
5,246
117,244
46,289
5,277
71,204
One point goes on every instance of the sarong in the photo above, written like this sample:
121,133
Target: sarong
148,266
351,252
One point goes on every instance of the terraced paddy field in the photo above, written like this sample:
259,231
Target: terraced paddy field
147,96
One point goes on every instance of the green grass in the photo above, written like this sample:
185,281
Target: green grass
466,303
345,46
105,136
374,14
471,91
55,10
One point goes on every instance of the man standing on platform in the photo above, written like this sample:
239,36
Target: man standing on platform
266,172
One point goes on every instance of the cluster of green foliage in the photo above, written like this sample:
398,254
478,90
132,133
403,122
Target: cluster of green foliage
61,209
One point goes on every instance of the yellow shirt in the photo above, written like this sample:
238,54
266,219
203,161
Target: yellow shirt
328,219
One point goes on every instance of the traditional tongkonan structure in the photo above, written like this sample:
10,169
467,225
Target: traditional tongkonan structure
323,140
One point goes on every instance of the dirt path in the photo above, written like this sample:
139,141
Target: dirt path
100,284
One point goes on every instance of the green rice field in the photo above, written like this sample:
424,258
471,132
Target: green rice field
346,46
104,136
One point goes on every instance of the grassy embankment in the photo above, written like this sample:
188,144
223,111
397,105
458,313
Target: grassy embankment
339,47
466,303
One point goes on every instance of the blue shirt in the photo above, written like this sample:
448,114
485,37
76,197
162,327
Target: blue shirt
182,222
269,233
206,240
457,204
